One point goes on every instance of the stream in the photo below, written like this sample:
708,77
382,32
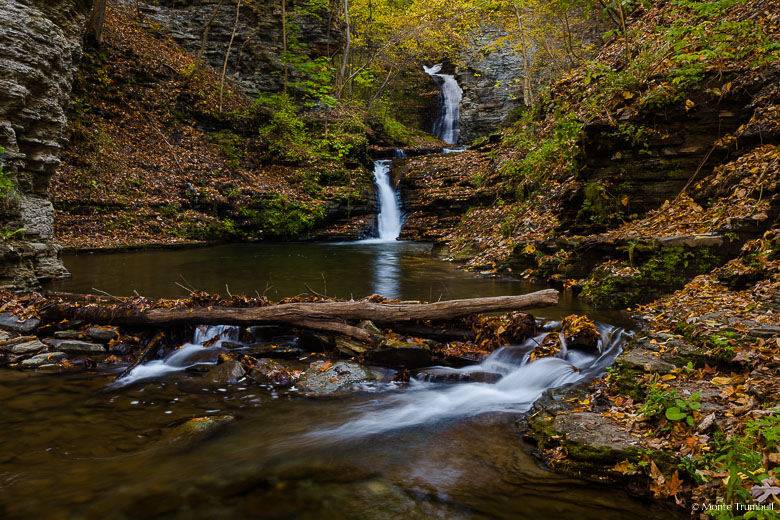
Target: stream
79,446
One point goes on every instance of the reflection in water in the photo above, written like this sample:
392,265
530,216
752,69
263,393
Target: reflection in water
387,272
404,270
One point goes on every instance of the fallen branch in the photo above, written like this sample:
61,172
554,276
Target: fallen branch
326,316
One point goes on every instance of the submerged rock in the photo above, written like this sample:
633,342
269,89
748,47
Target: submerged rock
324,377
197,428
449,375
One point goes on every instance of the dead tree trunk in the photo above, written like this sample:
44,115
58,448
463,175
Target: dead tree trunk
330,317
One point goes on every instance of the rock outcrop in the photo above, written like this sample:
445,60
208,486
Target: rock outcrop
490,78
40,47
255,63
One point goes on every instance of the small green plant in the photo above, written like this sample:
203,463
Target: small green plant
6,234
684,409
670,403
6,179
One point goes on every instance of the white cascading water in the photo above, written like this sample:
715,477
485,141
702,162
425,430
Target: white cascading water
189,354
389,217
521,384
447,127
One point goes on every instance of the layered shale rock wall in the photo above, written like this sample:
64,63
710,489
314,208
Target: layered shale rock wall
40,47
255,61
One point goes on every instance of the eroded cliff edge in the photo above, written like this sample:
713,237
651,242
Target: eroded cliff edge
40,47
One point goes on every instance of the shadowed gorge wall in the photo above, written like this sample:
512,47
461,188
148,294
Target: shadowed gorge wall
40,47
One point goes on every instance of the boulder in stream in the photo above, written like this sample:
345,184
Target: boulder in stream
225,373
396,354
271,372
326,377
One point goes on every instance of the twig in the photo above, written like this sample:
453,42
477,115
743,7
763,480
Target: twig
315,293
107,294
144,355
228,291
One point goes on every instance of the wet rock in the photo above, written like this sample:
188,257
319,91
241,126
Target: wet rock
395,354
581,333
350,348
324,377
448,375
80,347
644,360
103,334
273,351
231,345
271,372
11,323
27,347
226,373
196,428
68,334
589,437
370,327
120,349
43,359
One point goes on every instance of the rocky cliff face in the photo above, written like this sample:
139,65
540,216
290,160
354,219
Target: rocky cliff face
40,46
490,77
255,62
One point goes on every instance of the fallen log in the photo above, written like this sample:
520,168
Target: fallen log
326,316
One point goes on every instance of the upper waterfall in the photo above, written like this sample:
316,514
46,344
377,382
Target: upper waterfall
447,126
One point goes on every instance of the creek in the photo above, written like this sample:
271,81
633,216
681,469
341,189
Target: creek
77,445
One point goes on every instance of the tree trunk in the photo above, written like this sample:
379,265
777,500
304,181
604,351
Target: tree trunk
343,76
227,55
205,37
284,42
97,18
324,316
528,95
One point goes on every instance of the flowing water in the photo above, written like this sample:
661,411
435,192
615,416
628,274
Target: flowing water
78,446
85,446
447,125
389,217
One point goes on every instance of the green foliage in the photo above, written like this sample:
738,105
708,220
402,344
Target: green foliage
6,234
6,179
231,146
670,404
542,156
284,134
277,216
